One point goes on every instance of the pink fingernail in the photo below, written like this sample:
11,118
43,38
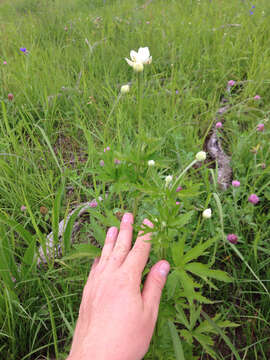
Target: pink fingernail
148,223
112,232
127,218
164,268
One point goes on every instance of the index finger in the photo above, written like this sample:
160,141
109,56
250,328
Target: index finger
139,254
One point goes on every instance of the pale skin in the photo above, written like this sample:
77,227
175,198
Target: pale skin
116,319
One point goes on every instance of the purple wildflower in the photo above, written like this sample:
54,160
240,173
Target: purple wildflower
117,162
10,97
23,208
253,199
4,63
93,204
179,188
23,50
219,125
236,183
232,238
101,163
177,202
257,97
260,127
231,83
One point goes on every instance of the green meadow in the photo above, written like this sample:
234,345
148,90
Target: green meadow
62,66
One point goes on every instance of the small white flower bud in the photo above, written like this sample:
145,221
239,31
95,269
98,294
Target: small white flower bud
168,179
151,163
201,156
138,67
207,213
125,89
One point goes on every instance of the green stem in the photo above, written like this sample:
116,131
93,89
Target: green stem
183,172
109,117
139,103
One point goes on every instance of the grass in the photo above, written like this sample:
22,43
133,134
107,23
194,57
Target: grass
66,109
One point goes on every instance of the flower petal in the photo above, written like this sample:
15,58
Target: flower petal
133,55
143,55
130,63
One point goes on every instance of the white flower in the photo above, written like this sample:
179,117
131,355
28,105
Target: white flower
207,213
141,57
138,67
151,163
201,156
125,89
168,179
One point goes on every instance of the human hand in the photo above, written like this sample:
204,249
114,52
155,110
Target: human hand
116,320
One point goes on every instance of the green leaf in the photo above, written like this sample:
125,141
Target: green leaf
206,342
181,316
56,212
27,237
187,284
198,250
182,220
68,230
172,283
177,249
203,270
29,255
177,345
202,299
187,335
83,250
221,333
205,326
194,315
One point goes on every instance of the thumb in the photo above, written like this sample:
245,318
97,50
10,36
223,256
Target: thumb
153,287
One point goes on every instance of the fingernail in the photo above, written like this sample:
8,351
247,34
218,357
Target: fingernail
164,268
127,218
148,223
112,232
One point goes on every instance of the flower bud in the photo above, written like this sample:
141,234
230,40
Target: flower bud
219,125
232,238
253,199
207,213
201,156
125,89
10,97
168,179
236,183
151,163
93,204
231,83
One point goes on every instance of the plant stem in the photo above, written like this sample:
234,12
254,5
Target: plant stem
109,117
139,103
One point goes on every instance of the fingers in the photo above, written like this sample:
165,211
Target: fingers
138,256
109,244
123,243
153,287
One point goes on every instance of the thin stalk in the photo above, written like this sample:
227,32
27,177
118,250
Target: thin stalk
183,172
139,102
110,115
